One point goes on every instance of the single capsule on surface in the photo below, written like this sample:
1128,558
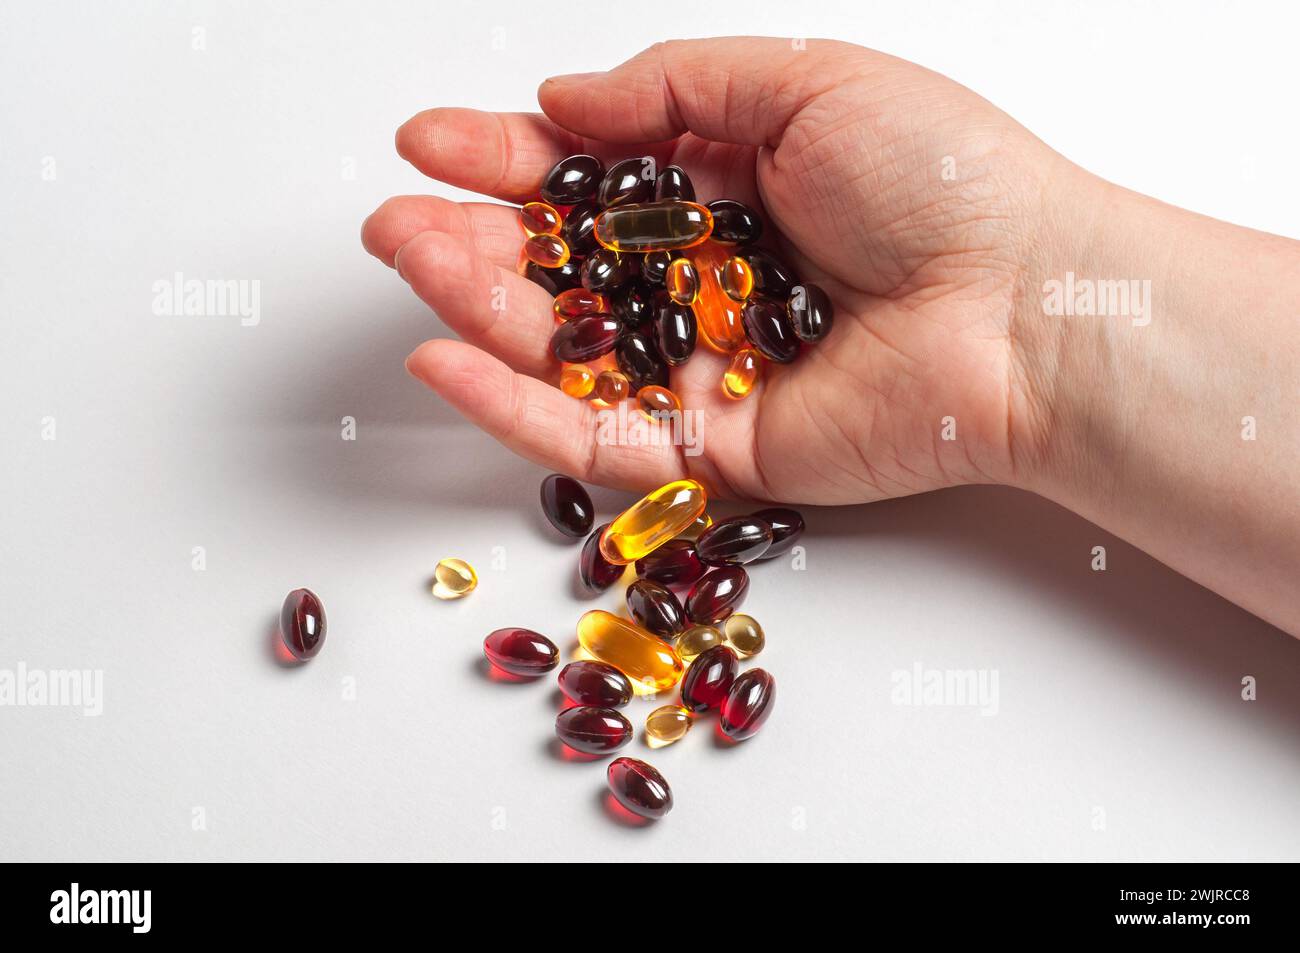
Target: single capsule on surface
553,280
626,184
709,679
811,312
737,278
548,251
596,572
453,578
655,608
653,226
787,526
772,276
674,183
717,594
576,380
653,520
539,218
738,540
521,652
718,316
596,684
675,331
667,725
593,730
605,270
744,635
650,663
748,704
579,228
735,223
578,303
695,640
675,563
658,400
639,787
742,374
567,505
654,267
682,281
612,386
573,179
640,361
302,624
768,328
584,339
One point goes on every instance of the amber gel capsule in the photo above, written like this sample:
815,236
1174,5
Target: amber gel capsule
667,725
650,663
682,282
612,386
549,251
567,505
576,380
595,683
696,640
578,303
741,374
709,679
743,634
718,315
653,226
521,652
302,624
592,730
718,593
639,788
653,520
748,704
538,218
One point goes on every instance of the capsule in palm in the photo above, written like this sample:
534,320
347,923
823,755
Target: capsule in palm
718,316
653,226
653,520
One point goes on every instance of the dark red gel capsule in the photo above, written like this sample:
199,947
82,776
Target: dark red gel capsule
655,608
521,652
654,267
639,359
675,330
717,594
787,526
741,539
639,787
734,223
772,276
748,704
302,624
593,730
597,572
709,678
584,339
811,312
633,303
579,228
567,505
672,564
674,183
595,683
573,179
554,280
768,328
625,183
605,270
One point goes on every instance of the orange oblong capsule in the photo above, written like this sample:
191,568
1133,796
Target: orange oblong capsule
742,374
548,251
539,218
650,663
717,315
653,226
653,520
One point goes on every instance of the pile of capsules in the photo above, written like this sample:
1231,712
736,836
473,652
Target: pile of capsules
666,641
641,272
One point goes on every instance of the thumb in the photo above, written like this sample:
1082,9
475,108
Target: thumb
742,90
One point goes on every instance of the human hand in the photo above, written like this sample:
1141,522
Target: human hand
915,203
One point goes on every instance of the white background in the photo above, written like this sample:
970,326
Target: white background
1119,691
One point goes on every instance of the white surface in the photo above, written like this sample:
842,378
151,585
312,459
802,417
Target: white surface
1118,690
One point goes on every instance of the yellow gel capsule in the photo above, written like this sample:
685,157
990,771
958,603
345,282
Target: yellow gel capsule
741,374
737,278
696,640
539,218
716,313
653,520
650,663
744,634
657,400
653,226
547,251
576,380
665,725
702,522
453,579
682,282
612,386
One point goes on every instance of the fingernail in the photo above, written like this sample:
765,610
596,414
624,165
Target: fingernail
572,79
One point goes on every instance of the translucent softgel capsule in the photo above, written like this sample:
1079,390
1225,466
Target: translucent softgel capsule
697,640
667,725
650,663
741,374
453,578
718,316
639,787
653,520
748,704
539,218
521,652
592,730
743,634
576,380
653,226
302,624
